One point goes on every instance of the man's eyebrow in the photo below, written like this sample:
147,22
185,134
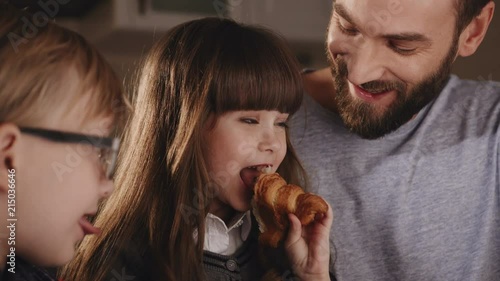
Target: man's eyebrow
341,11
404,36
408,36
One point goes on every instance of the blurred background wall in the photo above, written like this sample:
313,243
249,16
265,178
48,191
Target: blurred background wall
124,30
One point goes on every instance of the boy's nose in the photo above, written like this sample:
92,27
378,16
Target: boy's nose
107,187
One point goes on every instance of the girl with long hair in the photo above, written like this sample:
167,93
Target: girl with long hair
211,108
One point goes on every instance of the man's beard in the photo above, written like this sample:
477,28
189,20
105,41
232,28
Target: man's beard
371,122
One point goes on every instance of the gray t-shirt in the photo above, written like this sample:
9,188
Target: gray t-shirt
421,203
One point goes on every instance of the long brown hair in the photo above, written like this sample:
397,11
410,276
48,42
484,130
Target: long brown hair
199,68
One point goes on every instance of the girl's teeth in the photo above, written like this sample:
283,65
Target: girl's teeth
264,169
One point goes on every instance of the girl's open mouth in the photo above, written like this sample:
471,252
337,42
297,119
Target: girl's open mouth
250,174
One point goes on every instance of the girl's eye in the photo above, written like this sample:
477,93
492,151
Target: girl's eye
249,121
283,124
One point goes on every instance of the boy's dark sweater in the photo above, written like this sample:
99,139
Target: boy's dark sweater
27,272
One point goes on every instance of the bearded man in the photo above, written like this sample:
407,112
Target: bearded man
407,155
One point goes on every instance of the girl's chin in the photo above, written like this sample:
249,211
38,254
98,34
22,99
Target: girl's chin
246,206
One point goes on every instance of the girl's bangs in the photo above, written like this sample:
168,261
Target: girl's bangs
255,71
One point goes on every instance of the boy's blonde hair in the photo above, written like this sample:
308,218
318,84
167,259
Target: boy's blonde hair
37,59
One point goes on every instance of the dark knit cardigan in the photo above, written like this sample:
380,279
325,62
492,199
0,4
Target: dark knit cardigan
243,265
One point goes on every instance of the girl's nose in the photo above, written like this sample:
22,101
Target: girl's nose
269,141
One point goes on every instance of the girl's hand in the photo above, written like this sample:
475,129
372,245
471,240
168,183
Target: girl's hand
308,247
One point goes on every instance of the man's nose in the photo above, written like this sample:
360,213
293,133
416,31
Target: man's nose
366,64
364,58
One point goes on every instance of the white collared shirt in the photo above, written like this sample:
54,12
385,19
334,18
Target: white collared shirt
226,239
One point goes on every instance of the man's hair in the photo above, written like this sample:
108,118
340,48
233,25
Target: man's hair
467,10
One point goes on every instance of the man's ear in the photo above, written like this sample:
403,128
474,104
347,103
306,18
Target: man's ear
9,141
474,33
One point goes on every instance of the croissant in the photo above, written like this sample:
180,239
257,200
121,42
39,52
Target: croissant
274,199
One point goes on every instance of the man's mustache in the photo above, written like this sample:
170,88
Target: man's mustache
340,72
380,86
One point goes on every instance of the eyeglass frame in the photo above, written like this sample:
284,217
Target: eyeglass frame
112,144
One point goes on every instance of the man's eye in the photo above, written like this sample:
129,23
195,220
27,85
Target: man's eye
248,121
346,30
401,50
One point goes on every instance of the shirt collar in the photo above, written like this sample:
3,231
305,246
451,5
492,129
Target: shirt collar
242,220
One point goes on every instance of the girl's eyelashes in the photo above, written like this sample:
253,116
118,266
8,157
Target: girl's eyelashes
252,121
283,124
249,120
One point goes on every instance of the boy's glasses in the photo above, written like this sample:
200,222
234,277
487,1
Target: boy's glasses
108,147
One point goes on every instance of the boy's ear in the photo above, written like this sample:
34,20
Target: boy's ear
474,33
9,140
